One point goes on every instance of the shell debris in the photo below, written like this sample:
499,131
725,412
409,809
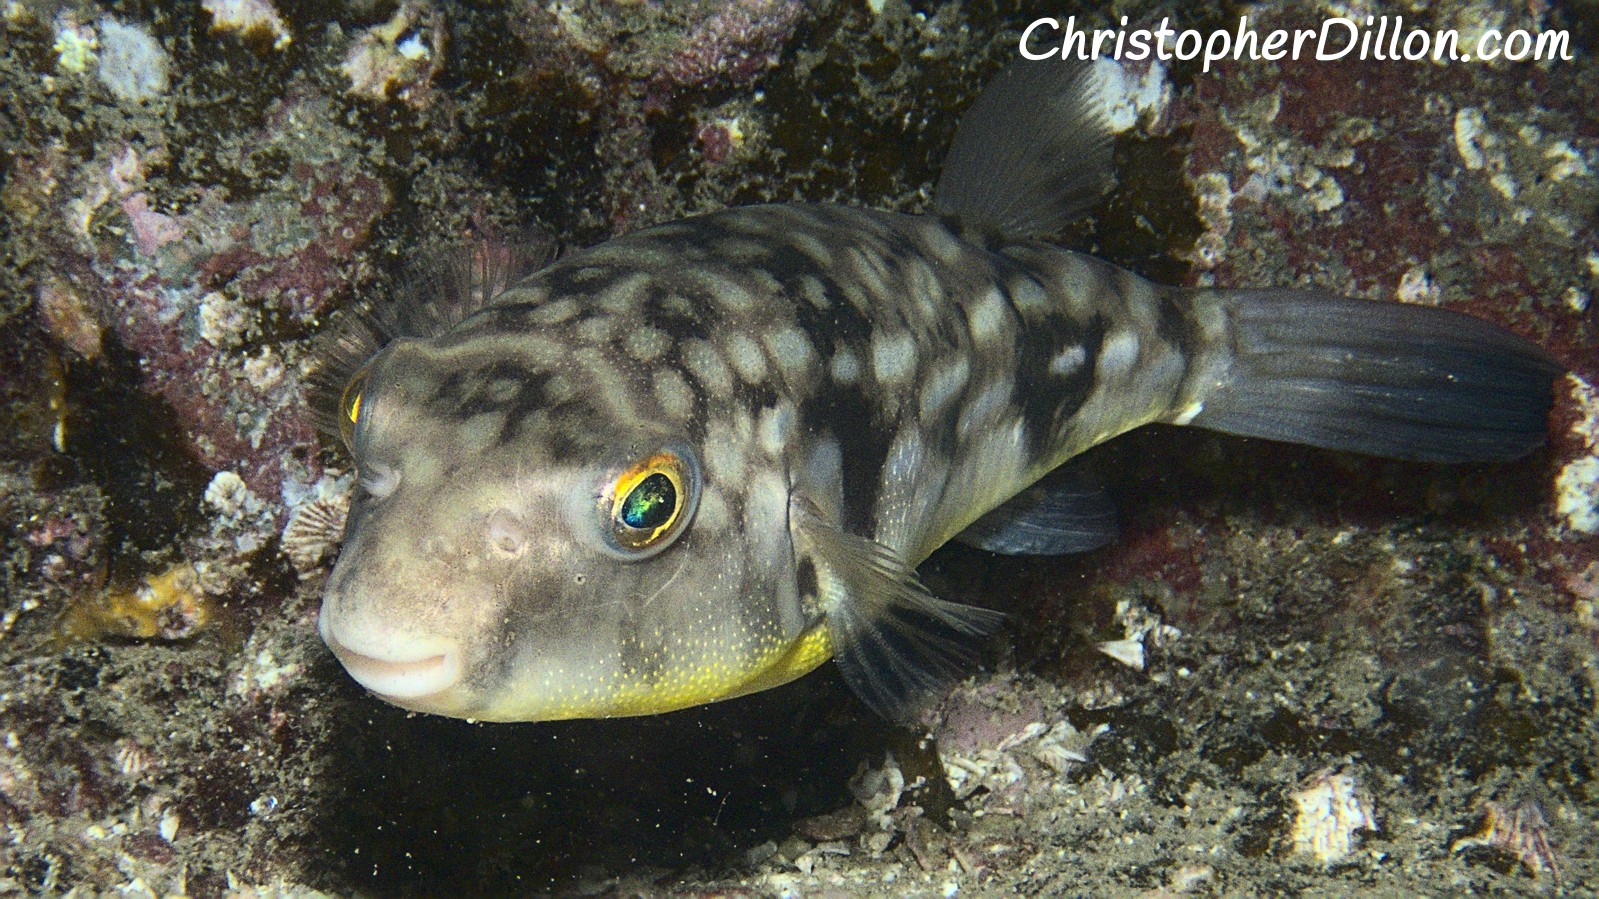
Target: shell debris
1577,484
398,58
1128,652
1329,809
250,19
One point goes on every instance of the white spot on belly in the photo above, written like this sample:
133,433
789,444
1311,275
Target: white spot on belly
923,284
815,292
724,453
792,352
706,365
765,503
503,390
745,354
726,292
673,394
645,343
938,241
945,385
613,388
845,368
555,311
743,250
1067,361
1079,281
777,429
987,317
596,329
480,432
624,295
1189,414
814,249
711,516
893,358
868,269
1029,295
1117,356
522,296
559,388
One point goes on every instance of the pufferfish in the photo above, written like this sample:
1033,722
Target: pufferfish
701,459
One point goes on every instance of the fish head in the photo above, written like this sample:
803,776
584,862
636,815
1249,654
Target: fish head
538,541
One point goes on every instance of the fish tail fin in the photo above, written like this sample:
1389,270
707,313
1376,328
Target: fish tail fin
1385,379
1033,154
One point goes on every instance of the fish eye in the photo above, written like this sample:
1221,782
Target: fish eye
350,404
650,503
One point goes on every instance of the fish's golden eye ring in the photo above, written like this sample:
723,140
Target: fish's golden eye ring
651,502
350,405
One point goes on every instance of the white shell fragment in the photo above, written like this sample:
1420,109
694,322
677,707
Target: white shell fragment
1128,652
878,790
249,18
1329,808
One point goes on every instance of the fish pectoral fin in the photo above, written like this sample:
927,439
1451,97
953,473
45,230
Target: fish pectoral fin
895,642
1061,514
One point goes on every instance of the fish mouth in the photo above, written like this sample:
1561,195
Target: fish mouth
417,673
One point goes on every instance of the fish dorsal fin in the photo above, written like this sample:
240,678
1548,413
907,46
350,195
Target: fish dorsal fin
457,282
433,298
1033,154
895,642
1061,514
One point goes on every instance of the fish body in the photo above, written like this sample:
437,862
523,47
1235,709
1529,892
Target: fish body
701,459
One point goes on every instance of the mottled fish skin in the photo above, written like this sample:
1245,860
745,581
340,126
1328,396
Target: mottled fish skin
899,378
843,391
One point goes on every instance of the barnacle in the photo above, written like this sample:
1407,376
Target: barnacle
132,759
1518,831
314,530
166,606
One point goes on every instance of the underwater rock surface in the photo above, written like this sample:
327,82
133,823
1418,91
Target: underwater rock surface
1295,671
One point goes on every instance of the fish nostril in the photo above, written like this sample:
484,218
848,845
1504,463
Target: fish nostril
506,533
379,480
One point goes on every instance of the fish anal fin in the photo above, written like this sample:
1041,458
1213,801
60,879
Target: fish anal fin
1061,514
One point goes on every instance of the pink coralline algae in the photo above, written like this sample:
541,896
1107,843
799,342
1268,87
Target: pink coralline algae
737,42
690,45
190,291
1349,182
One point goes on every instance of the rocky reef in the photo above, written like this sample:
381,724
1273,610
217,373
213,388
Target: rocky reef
1295,672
